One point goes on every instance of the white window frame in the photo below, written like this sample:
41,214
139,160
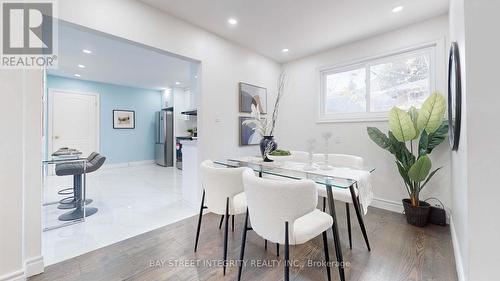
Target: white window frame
430,48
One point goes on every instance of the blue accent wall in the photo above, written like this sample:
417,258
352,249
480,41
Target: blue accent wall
120,145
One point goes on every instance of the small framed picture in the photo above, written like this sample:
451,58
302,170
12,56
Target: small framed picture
247,134
251,94
123,119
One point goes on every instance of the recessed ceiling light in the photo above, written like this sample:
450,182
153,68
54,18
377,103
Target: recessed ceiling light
196,77
77,75
285,50
232,21
81,66
177,83
87,51
397,9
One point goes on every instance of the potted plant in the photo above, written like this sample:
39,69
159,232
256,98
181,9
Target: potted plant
263,126
412,136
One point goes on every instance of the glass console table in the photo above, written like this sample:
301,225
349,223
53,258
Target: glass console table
48,168
338,177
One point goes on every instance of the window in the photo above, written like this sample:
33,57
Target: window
368,90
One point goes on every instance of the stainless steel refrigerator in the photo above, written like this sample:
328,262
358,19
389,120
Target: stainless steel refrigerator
164,147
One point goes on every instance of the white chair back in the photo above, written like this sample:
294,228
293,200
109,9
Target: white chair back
219,184
318,158
300,156
345,160
303,157
273,202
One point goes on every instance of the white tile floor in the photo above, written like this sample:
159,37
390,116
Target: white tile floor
131,201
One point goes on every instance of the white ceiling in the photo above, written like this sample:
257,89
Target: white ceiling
303,26
116,61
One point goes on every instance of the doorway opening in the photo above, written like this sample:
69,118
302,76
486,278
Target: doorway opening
106,101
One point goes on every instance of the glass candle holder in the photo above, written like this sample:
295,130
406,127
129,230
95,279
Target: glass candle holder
310,148
325,166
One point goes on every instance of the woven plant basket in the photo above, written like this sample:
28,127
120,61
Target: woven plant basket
417,216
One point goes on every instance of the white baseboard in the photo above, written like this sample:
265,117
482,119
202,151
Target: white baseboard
396,207
141,163
115,165
34,266
14,276
456,252
128,164
388,205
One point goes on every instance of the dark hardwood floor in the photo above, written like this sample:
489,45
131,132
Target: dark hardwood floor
399,252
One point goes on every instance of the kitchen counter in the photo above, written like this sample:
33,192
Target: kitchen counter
191,185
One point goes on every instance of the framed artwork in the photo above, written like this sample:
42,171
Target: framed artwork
123,119
251,94
247,135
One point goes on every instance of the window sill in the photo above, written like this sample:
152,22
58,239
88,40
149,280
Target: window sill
363,119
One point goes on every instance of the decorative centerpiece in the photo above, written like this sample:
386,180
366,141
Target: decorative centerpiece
280,155
265,127
412,157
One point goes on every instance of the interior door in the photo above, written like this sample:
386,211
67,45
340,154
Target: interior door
74,121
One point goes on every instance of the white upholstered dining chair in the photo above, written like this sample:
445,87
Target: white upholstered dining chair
223,194
300,156
284,212
303,157
344,194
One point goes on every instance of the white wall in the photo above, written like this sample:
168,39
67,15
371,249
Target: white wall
11,173
223,65
483,137
298,111
20,172
32,131
475,165
459,191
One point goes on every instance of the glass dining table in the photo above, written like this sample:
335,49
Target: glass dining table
326,177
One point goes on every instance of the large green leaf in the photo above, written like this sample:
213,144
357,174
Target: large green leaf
429,177
419,171
399,149
429,141
423,144
378,137
401,125
438,136
396,145
431,114
413,112
404,173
